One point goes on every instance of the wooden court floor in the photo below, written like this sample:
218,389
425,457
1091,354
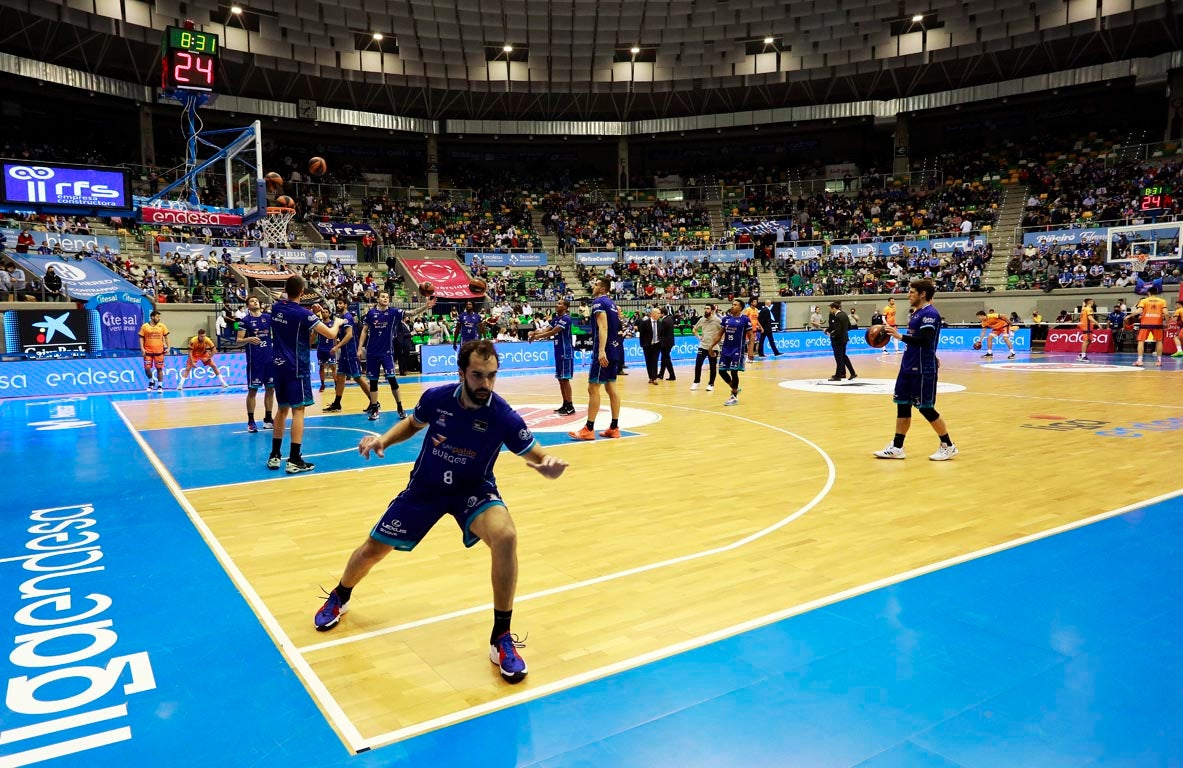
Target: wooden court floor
710,518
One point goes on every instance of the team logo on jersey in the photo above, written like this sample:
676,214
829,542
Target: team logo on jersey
472,501
439,440
480,426
523,434
859,386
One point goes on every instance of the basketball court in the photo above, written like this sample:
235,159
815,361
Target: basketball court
723,586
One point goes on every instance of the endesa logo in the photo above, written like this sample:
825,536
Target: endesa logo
192,218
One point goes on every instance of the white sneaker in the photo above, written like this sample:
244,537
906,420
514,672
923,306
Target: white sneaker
890,452
694,386
710,387
1011,356
988,354
733,400
944,453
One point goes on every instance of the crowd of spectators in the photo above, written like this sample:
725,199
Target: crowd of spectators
675,279
583,221
1081,266
1085,191
953,272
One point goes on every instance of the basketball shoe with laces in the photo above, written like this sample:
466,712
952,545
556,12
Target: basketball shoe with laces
890,452
583,434
330,613
504,653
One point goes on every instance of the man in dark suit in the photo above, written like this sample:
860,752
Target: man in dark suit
766,328
839,333
667,345
650,331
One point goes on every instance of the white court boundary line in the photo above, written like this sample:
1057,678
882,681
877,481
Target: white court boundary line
747,626
332,709
826,488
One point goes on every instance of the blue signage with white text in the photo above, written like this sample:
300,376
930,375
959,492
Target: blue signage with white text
499,259
71,244
51,184
1066,236
82,279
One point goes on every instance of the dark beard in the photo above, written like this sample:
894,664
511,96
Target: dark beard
474,397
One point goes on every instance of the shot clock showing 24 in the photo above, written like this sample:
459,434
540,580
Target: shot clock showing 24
188,60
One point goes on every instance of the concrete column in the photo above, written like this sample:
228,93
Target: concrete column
147,136
1174,130
901,164
433,164
622,174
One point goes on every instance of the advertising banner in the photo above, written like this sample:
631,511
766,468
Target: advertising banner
262,272
310,255
81,279
1066,237
70,243
537,259
764,227
715,256
259,255
450,281
120,323
52,332
1069,339
596,258
113,374
170,249
949,244
858,250
189,218
73,186
342,229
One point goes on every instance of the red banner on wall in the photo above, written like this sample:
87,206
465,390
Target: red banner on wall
448,277
189,218
1068,340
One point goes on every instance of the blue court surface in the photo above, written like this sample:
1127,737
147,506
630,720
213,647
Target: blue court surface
128,645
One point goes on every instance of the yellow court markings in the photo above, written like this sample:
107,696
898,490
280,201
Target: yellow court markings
409,655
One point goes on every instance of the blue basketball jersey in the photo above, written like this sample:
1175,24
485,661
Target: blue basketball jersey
564,342
380,327
922,358
349,348
258,328
735,334
291,325
461,446
470,326
614,348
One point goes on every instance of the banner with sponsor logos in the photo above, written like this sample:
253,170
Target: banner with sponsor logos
169,249
596,258
54,185
82,279
714,256
857,250
310,255
449,279
259,255
1066,236
342,228
70,243
120,322
497,259
949,244
183,217
763,227
1069,339
54,331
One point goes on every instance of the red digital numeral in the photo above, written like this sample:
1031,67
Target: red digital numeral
208,70
184,63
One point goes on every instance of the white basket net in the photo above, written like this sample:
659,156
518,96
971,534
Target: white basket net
276,226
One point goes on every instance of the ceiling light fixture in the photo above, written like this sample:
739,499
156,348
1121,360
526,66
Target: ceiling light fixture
768,41
918,18
236,9
634,50
377,35
507,48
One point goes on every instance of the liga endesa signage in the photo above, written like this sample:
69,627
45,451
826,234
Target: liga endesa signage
150,215
1069,339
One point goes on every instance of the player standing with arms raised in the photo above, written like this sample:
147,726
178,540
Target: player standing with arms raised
378,330
255,331
607,358
916,384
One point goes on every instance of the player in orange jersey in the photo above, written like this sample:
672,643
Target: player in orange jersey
1088,324
201,350
994,324
890,323
153,338
1151,313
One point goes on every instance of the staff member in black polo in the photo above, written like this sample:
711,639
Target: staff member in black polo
839,333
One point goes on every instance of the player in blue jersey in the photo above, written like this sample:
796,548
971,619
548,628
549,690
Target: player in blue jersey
324,351
291,325
916,384
345,350
376,347
607,358
467,424
737,330
560,331
255,331
468,326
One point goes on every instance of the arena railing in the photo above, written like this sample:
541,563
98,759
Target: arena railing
1163,150
362,190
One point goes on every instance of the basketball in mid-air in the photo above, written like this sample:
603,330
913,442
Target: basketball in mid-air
877,336
317,166
477,286
426,289
978,343
274,181
1130,323
283,201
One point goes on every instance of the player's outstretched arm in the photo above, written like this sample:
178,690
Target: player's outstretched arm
544,464
401,431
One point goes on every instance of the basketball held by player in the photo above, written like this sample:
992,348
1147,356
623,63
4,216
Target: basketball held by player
1151,317
995,326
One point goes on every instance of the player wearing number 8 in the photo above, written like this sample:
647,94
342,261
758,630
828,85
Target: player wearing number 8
466,426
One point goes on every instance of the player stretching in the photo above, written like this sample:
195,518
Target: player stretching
737,329
1088,324
916,384
1150,312
201,350
466,426
993,324
153,338
560,331
255,331
377,347
606,363
346,351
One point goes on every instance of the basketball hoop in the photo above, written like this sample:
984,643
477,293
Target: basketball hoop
275,225
1141,261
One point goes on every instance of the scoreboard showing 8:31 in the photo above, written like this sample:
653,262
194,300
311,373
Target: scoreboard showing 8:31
188,60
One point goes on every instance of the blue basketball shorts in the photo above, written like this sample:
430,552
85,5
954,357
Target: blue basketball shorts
731,362
564,367
293,391
603,374
376,363
348,367
918,389
415,511
259,372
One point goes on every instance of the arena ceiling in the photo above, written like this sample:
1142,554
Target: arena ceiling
596,59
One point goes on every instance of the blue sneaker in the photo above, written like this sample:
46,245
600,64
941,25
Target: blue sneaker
330,613
504,653
252,427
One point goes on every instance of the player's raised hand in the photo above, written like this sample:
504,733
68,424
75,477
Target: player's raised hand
550,466
370,443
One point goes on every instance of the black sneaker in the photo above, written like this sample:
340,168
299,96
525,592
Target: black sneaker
374,410
268,421
333,408
296,467
401,413
273,462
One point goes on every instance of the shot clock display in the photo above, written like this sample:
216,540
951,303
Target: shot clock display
189,60
1155,198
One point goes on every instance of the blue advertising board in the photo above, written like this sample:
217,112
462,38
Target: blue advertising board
342,228
1066,236
75,186
82,279
259,255
596,258
714,255
69,243
501,259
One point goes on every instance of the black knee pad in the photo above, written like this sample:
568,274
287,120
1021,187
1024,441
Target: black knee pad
930,414
373,383
391,380
903,411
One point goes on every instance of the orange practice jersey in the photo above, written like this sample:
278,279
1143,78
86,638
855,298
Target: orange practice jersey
199,347
996,322
1087,323
153,336
754,316
889,315
1153,310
